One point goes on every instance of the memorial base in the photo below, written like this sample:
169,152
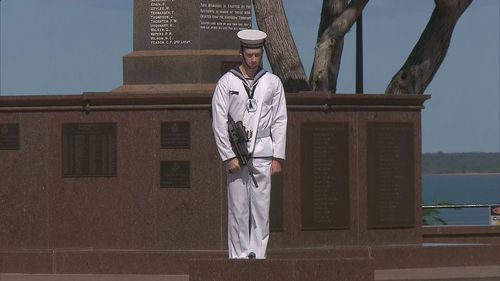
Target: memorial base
165,89
359,269
429,262
177,66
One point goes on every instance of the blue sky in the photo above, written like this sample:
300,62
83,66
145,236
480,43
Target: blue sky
75,46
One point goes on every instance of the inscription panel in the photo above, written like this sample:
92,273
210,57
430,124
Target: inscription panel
189,24
175,135
325,176
9,136
89,149
390,175
175,174
220,20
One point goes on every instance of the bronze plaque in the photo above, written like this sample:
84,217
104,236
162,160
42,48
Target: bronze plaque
391,181
175,135
9,136
276,208
325,176
89,149
175,174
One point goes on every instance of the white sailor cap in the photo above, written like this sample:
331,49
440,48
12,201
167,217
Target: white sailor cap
251,38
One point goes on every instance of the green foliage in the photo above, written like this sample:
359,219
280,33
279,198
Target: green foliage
432,216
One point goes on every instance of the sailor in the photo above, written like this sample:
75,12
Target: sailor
250,94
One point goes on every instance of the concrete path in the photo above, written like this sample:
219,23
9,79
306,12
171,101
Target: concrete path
91,277
475,273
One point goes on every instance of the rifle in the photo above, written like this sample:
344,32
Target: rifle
239,138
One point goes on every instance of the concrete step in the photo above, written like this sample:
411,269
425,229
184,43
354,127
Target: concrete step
91,277
462,273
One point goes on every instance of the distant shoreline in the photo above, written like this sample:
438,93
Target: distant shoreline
464,174
465,163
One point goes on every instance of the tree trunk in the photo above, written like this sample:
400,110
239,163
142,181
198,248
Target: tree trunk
330,11
430,50
329,45
280,47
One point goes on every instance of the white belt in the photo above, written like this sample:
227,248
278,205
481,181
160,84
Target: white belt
263,133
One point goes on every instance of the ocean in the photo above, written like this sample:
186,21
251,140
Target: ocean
461,189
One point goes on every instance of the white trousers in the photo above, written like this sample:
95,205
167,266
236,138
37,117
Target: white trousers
248,210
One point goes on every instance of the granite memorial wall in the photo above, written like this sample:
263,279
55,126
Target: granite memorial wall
142,172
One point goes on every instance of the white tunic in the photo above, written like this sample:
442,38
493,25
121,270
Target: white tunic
248,205
269,118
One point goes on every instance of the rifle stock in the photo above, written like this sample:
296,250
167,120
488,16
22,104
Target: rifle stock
238,138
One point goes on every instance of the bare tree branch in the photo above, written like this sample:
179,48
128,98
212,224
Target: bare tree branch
324,72
280,46
429,52
330,11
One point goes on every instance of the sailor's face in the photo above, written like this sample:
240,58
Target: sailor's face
252,57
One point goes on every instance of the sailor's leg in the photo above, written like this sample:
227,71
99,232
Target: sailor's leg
259,207
238,214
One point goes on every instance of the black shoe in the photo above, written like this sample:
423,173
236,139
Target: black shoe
251,256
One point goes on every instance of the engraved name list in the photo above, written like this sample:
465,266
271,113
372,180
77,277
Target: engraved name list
176,24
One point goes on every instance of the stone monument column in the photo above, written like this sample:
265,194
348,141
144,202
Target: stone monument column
183,46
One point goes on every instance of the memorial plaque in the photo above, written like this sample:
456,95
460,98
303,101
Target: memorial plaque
175,135
189,24
175,174
9,136
276,208
390,166
325,176
89,149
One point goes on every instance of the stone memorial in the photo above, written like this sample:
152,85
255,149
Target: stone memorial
115,183
136,177
183,45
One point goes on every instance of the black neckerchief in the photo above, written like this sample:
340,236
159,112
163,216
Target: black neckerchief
249,87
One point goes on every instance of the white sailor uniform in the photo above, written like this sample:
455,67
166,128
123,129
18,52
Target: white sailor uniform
260,104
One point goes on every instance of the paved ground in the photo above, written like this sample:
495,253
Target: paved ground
467,273
464,273
91,277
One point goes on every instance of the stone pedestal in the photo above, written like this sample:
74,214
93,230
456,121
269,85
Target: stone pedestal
186,44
